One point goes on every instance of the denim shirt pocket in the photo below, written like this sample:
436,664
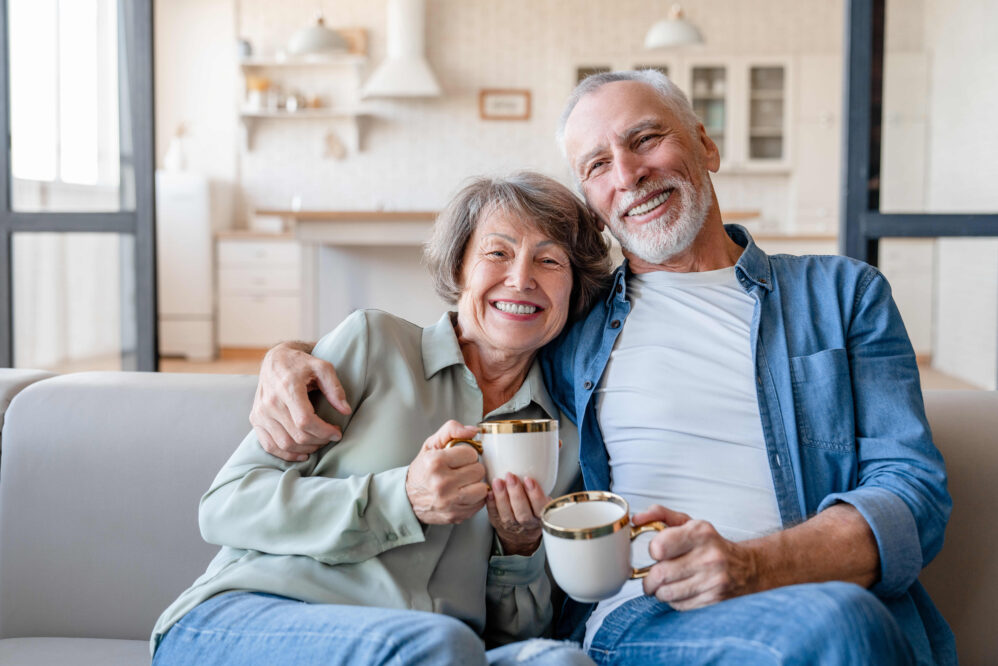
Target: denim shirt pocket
823,400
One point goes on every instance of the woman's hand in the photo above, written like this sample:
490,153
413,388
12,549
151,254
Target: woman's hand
514,510
444,485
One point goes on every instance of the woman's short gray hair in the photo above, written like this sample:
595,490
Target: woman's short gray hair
672,96
558,214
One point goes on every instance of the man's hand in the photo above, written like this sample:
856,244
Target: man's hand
514,508
283,416
446,486
695,566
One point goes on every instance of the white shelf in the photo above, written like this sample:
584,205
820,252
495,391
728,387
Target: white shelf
343,123
351,118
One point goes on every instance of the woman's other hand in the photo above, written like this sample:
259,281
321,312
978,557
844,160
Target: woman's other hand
514,508
446,486
283,416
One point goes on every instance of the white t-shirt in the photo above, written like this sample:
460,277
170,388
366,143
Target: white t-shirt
679,414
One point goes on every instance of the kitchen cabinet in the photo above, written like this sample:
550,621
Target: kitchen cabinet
323,91
743,103
259,291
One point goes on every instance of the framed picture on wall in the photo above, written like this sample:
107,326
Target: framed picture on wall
507,104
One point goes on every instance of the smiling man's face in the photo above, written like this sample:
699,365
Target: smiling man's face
641,169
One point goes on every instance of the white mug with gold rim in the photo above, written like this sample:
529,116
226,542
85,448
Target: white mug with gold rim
588,537
525,447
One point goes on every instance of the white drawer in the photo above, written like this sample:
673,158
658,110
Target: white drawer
259,279
257,321
256,252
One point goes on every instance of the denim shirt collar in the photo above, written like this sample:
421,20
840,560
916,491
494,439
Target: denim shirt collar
752,266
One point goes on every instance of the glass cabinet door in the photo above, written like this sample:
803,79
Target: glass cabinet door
708,94
767,97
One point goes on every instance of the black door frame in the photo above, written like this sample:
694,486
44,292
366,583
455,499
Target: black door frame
862,225
135,62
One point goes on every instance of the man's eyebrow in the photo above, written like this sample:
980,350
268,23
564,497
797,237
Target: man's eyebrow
650,124
629,133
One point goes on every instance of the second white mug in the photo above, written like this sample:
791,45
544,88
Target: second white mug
588,537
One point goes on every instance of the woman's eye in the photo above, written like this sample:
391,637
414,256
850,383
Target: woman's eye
499,254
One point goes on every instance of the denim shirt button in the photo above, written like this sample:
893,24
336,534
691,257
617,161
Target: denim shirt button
587,385
619,288
615,323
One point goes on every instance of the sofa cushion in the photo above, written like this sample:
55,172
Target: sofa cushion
76,651
101,476
962,578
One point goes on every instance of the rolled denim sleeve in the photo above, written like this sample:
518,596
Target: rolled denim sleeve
901,478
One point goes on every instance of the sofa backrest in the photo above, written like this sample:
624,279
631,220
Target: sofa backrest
963,579
100,479
12,382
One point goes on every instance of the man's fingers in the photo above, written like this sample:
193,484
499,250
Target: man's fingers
329,384
276,442
658,512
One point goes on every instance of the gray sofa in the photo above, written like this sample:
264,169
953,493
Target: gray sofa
100,476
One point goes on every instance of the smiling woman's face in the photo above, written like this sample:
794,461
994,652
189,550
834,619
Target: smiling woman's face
516,283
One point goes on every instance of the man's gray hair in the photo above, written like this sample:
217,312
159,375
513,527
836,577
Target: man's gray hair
552,207
672,96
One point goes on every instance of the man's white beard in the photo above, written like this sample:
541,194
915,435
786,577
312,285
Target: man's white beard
673,232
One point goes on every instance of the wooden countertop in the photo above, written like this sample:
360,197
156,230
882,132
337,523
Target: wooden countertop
351,215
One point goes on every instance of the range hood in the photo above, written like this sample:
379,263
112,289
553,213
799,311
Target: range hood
405,72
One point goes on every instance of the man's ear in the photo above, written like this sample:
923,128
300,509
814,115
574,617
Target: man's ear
712,156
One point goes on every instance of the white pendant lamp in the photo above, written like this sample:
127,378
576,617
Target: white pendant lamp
316,39
673,31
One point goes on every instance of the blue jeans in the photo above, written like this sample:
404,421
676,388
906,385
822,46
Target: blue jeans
823,623
249,628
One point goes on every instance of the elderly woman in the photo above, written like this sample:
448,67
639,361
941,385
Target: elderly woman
374,549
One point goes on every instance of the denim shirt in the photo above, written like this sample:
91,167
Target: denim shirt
840,403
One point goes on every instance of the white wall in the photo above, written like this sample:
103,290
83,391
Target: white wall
416,152
962,170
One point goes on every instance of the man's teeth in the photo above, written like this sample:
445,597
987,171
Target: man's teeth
650,204
515,308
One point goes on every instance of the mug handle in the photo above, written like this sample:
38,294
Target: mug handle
656,526
473,443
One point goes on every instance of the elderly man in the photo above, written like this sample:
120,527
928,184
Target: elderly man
767,408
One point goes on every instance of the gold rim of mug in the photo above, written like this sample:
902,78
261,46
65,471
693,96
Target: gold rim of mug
518,425
586,532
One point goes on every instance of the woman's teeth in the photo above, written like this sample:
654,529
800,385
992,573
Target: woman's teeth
515,308
651,204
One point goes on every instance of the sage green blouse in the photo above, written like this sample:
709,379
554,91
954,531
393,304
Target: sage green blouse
339,529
